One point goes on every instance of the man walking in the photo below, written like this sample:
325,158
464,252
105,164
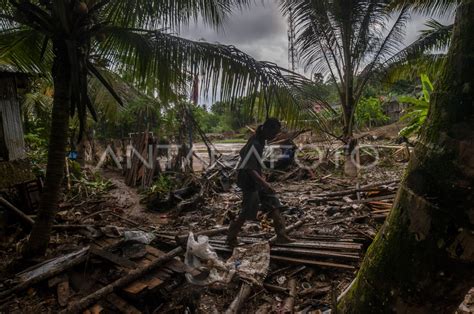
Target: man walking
256,190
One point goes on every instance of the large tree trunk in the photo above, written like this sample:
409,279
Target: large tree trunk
422,260
39,237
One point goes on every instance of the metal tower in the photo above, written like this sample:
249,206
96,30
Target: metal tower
292,62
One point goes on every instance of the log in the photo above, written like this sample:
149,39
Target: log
122,282
289,306
300,261
47,270
239,301
27,220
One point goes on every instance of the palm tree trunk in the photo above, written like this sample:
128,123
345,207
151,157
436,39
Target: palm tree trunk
39,237
350,164
422,259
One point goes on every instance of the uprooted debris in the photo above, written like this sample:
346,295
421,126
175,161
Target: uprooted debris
104,255
103,260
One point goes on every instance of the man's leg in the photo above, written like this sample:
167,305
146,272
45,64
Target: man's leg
250,202
272,204
280,227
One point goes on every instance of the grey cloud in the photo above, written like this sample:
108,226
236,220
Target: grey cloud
261,31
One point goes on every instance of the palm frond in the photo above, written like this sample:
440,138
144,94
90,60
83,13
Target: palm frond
23,47
428,7
387,47
436,37
159,61
431,64
169,13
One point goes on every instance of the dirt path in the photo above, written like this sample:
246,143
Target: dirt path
129,199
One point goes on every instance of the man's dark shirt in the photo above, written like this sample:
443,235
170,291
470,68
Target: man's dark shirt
251,158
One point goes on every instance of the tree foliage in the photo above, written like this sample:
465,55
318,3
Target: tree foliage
348,41
419,107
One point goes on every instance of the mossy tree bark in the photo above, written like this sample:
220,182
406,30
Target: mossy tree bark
39,237
422,260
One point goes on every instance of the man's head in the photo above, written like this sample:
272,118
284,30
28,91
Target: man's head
270,129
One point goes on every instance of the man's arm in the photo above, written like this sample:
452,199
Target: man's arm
267,187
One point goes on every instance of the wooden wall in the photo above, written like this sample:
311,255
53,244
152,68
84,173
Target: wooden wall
10,113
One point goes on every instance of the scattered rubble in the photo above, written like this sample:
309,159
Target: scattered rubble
103,260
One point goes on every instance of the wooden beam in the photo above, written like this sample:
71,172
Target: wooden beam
121,282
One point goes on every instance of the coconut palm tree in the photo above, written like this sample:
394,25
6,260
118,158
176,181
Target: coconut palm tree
421,260
346,40
73,39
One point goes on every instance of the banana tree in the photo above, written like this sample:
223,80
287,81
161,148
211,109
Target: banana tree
72,39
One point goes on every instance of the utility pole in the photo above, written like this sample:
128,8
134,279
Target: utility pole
292,62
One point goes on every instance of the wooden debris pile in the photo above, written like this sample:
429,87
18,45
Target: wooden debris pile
110,275
143,157
378,197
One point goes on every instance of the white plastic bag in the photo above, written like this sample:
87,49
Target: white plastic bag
201,254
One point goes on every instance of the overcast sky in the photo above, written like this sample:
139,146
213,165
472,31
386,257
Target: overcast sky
261,31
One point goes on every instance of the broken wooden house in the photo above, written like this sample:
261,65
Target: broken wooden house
15,170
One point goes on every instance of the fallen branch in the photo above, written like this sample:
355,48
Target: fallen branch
47,270
240,299
290,301
122,282
30,222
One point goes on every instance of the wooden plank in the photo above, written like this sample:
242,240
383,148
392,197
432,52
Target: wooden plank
122,305
118,260
321,245
154,251
63,293
135,287
325,245
309,252
373,199
175,265
150,282
95,309
154,282
310,262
